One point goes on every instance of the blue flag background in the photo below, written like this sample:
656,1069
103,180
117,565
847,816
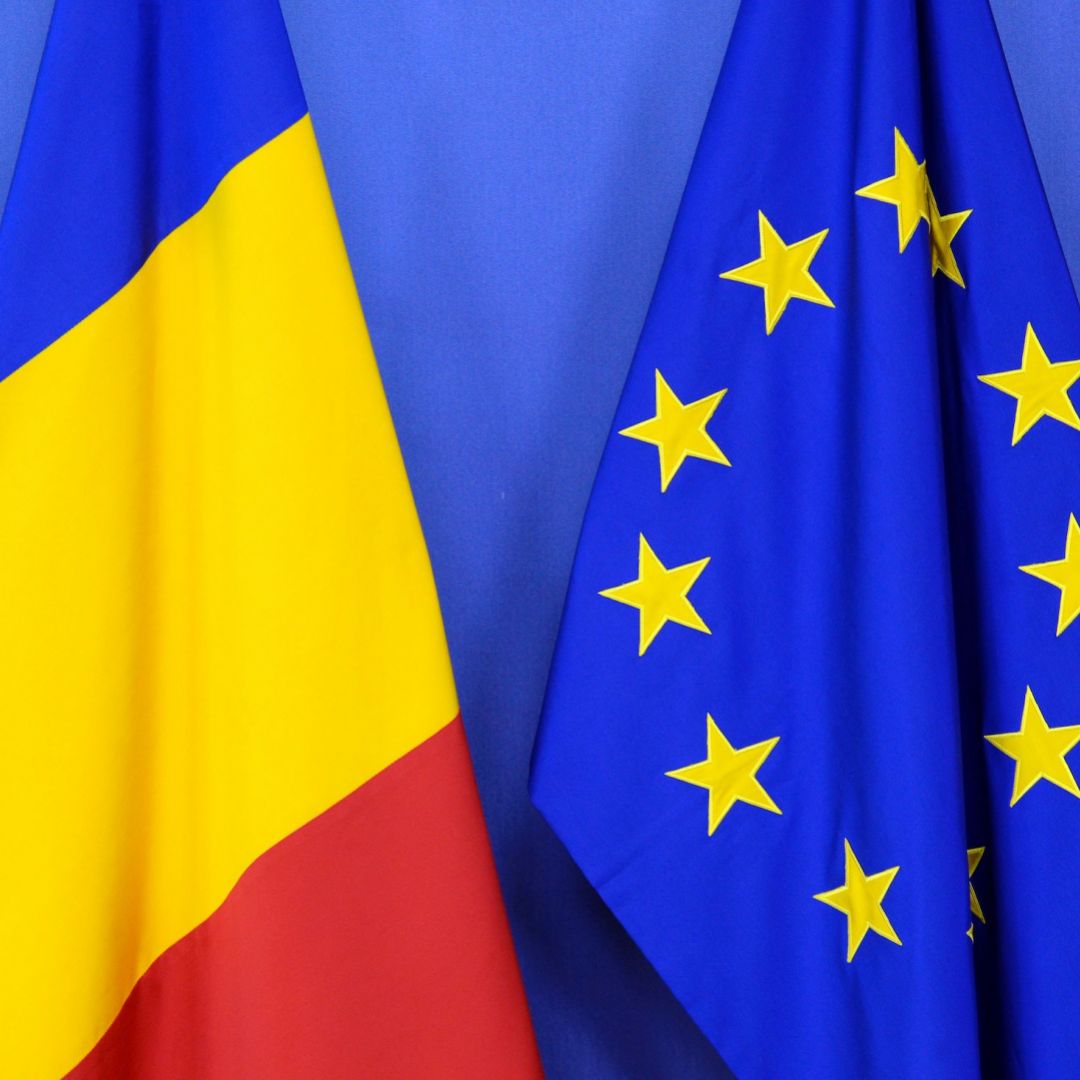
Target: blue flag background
831,623
507,178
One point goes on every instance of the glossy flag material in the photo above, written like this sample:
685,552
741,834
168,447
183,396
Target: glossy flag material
240,831
811,722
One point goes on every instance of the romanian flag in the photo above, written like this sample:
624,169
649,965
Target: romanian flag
240,834
813,724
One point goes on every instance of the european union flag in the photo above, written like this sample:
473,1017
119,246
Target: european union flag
811,724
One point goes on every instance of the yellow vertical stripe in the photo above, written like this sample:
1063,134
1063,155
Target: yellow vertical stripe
216,612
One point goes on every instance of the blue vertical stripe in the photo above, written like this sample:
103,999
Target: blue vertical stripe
141,107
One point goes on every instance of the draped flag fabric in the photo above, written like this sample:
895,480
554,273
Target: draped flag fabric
811,722
240,832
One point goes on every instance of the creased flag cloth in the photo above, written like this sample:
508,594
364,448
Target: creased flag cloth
812,720
240,831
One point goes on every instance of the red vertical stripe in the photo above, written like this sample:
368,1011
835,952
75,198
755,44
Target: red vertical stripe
370,943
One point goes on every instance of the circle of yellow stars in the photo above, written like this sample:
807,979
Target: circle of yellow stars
679,431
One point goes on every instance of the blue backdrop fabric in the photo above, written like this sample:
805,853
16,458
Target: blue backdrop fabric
507,176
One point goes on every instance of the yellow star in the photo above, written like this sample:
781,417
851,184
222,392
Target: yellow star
782,271
1063,574
1038,750
659,594
729,774
860,898
974,855
905,189
943,230
1041,388
678,430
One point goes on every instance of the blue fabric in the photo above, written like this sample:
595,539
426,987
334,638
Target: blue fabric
863,595
507,176
206,81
